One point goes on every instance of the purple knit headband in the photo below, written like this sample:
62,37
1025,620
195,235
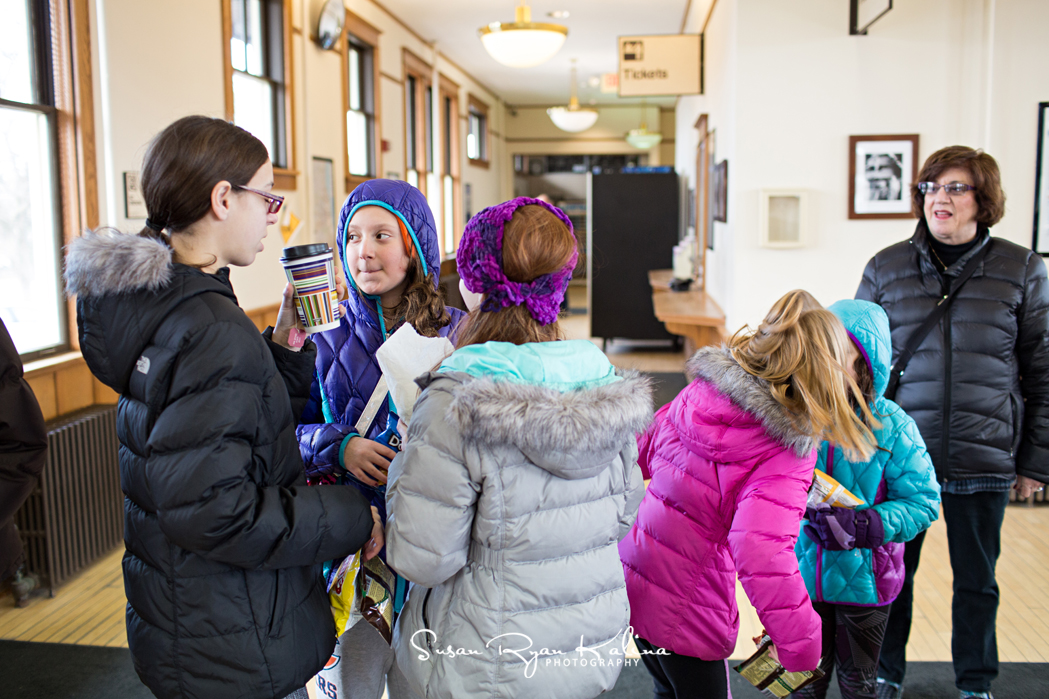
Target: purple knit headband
480,264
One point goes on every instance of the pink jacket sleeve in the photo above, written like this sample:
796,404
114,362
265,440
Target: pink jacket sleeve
646,442
761,540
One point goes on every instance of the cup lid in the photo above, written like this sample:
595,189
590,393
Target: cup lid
297,251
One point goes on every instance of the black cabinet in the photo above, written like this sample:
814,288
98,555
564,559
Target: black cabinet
634,229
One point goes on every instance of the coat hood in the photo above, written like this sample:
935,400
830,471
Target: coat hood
410,206
561,403
868,325
703,417
125,286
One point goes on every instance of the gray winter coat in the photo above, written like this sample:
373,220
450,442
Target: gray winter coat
505,510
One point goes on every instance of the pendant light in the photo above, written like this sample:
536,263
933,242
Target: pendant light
522,43
642,138
572,118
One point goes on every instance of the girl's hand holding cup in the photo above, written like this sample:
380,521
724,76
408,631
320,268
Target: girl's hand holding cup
289,332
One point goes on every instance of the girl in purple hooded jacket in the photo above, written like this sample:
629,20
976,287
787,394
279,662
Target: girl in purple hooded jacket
730,461
390,255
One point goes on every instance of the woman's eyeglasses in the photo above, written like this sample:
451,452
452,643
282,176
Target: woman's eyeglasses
274,200
951,189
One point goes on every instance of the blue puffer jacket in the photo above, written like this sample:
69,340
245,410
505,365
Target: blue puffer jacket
898,481
347,370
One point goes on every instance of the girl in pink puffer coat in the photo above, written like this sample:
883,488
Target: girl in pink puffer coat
730,460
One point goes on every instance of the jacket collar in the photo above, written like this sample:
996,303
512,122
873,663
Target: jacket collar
920,241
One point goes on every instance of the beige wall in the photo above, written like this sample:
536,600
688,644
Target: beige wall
146,83
530,131
787,86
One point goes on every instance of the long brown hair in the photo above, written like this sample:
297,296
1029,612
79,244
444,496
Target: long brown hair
185,161
535,242
421,303
800,349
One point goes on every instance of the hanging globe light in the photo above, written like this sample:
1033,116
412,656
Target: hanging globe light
522,43
572,118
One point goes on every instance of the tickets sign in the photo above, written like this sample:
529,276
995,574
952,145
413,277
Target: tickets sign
670,64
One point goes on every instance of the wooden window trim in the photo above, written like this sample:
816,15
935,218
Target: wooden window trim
450,90
415,67
284,178
476,105
369,35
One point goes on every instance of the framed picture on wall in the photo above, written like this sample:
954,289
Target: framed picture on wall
881,170
719,204
1041,184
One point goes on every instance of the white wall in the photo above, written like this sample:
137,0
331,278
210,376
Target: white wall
803,86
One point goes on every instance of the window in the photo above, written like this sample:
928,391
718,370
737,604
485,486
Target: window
418,122
258,77
450,155
477,133
46,196
361,100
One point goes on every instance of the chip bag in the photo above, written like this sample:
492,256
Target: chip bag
359,589
764,672
827,490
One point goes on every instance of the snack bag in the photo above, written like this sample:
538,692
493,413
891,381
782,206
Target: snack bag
359,589
764,672
827,490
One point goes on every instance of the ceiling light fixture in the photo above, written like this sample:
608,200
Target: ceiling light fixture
572,118
522,43
642,138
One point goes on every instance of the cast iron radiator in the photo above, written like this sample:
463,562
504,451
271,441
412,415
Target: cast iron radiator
76,513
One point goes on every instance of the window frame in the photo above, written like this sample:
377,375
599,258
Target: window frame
284,178
421,72
451,158
368,35
477,107
62,48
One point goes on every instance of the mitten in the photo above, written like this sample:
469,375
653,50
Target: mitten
844,529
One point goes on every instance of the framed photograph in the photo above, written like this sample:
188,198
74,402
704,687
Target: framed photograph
783,218
719,203
881,170
323,218
1041,184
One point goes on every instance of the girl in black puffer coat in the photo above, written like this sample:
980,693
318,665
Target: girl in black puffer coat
224,539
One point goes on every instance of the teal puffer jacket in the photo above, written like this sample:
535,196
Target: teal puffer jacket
898,481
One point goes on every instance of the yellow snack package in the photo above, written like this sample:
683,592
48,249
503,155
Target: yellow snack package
827,490
764,672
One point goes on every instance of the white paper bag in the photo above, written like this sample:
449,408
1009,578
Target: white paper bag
405,356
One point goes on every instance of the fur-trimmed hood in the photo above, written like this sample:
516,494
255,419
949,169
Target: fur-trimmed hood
571,434
126,285
716,366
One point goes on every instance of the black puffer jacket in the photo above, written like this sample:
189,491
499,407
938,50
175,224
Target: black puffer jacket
225,597
978,386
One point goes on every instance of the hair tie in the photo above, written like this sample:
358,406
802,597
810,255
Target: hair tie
153,226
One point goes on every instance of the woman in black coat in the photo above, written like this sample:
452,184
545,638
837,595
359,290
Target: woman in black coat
224,539
978,387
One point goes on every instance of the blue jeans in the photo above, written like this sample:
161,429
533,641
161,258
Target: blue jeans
974,541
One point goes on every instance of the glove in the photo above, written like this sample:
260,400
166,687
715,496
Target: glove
844,529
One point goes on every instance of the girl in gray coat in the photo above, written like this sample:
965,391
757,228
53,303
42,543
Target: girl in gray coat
518,478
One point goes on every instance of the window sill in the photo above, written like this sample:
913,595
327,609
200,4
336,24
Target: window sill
352,181
52,364
285,180
484,164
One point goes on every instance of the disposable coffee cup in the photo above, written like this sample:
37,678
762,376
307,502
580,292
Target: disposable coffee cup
311,270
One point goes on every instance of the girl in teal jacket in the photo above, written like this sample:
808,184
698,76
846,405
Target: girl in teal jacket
852,560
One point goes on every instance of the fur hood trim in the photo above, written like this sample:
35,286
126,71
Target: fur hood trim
109,262
573,434
716,365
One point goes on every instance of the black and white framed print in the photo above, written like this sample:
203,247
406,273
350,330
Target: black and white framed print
1041,184
881,170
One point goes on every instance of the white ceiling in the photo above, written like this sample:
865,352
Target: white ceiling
593,28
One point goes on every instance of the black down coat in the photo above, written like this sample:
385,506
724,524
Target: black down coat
224,539
978,385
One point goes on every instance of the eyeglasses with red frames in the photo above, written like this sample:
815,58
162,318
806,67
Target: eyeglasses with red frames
274,200
952,189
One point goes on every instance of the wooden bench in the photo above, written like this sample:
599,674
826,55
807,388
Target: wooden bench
692,314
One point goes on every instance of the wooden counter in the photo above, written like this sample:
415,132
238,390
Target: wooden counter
692,314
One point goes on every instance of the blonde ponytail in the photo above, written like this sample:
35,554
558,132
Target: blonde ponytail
801,349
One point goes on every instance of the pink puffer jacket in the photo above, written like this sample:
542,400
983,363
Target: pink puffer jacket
729,479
